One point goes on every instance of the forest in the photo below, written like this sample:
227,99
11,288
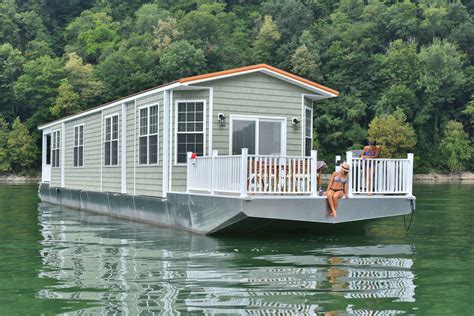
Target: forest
404,69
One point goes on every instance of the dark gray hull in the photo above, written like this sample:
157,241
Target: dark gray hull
209,214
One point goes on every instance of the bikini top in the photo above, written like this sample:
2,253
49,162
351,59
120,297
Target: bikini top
337,179
369,153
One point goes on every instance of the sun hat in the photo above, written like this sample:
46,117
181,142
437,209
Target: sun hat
345,167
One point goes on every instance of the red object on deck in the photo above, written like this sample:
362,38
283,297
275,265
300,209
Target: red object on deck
193,155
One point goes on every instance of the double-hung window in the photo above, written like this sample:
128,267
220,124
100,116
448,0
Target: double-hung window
78,146
111,141
55,148
190,129
148,138
308,131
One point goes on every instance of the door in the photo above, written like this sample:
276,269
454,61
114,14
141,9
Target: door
262,136
46,159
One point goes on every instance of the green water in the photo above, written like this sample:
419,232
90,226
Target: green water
54,260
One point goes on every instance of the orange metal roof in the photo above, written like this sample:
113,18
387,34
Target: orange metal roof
255,67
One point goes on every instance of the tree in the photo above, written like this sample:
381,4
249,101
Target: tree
441,80
83,80
397,96
164,33
305,63
11,66
90,34
133,67
4,153
37,87
148,17
67,101
8,27
266,40
21,147
455,147
395,136
181,59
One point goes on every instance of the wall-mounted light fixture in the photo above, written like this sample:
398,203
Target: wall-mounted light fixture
221,118
295,122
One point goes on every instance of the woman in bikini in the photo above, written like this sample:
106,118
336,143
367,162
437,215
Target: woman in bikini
338,187
370,152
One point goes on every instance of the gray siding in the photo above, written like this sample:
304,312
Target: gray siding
88,176
258,95
143,180
94,176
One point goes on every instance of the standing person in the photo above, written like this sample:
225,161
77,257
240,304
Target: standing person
338,187
370,152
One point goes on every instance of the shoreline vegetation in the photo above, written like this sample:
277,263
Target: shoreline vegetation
465,177
404,69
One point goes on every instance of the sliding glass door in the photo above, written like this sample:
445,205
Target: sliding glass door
262,136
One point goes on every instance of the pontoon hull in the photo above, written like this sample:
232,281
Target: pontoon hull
209,214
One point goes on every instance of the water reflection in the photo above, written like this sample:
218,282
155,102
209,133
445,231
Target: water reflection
120,267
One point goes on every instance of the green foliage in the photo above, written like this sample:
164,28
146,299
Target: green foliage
181,59
37,86
4,154
90,34
67,101
266,40
22,149
305,63
394,135
455,147
384,57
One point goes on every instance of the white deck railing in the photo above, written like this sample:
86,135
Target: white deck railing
380,175
252,174
258,174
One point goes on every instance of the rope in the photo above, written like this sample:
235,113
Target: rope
411,217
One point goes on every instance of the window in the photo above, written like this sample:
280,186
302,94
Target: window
55,148
148,138
190,129
308,131
48,149
78,146
111,141
262,136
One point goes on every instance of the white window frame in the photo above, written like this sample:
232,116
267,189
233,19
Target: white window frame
56,139
78,145
147,135
258,119
306,108
204,128
104,122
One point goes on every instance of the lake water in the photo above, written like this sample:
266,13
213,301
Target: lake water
55,260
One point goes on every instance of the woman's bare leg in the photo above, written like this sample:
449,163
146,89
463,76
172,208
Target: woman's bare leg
336,197
330,194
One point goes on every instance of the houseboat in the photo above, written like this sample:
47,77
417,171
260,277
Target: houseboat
229,151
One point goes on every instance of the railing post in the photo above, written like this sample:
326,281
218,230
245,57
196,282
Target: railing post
244,159
188,170
213,172
336,167
410,174
349,161
314,172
